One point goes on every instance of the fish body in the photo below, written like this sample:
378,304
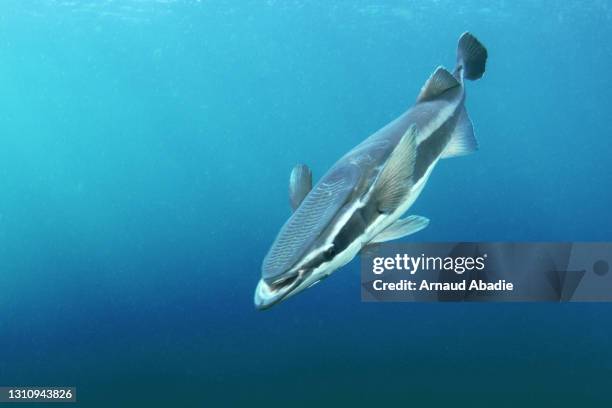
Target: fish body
361,199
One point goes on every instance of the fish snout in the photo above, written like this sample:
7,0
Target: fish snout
269,294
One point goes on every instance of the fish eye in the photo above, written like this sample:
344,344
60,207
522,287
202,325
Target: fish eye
330,252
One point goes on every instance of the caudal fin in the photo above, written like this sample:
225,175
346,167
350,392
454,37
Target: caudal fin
471,57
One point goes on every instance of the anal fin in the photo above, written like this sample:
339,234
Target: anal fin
463,141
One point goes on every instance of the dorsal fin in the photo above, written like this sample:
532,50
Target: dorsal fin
438,83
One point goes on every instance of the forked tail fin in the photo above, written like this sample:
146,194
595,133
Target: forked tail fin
471,57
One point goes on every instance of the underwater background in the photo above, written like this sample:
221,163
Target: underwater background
145,151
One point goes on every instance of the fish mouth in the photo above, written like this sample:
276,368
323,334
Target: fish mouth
269,294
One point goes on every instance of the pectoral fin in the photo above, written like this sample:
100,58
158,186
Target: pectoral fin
395,179
401,228
300,184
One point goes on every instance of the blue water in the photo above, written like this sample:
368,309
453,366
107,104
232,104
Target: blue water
145,150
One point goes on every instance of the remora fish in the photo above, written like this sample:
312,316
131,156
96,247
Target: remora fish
360,200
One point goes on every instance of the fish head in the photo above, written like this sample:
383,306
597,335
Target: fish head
323,264
311,244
